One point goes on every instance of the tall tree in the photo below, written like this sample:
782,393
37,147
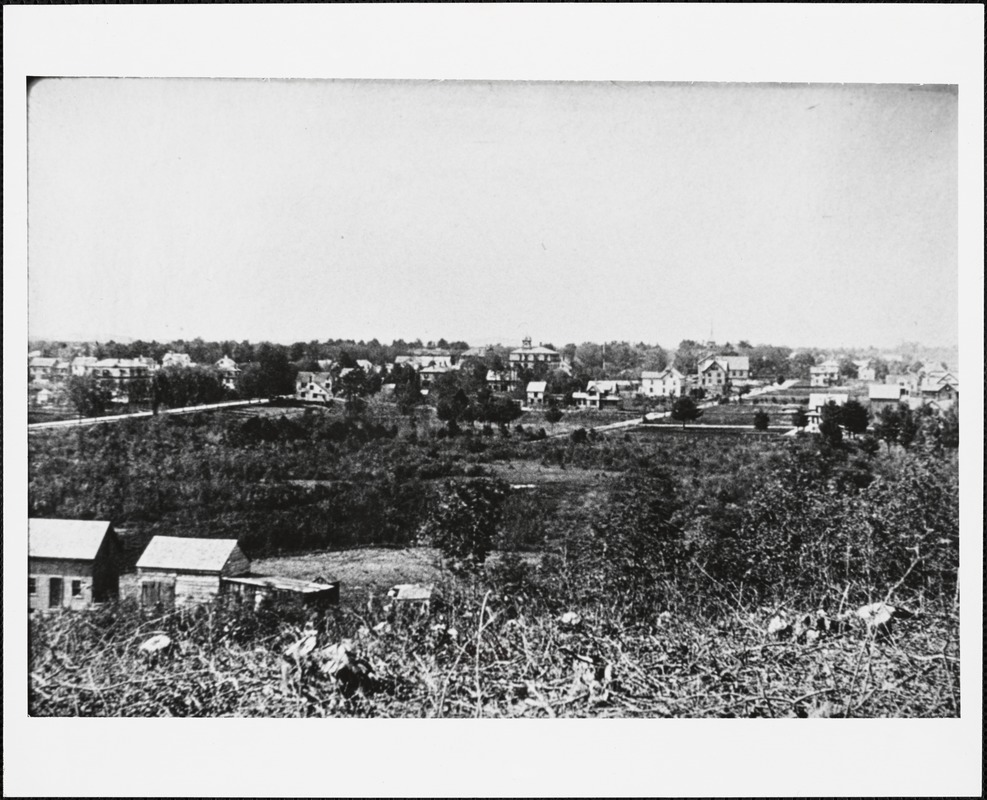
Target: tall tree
855,417
830,425
89,396
685,410
800,419
687,356
463,518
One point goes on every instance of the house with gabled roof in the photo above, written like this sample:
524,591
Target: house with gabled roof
172,359
865,370
41,369
884,395
825,374
498,380
228,372
668,382
535,392
180,571
314,386
940,389
71,563
715,373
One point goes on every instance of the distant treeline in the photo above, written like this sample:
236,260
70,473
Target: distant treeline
593,360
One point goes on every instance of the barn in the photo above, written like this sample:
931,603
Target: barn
71,563
183,571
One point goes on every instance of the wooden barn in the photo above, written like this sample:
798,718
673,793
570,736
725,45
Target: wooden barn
71,563
186,571
257,589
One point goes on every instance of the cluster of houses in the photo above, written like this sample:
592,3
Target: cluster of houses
73,564
939,389
716,376
49,375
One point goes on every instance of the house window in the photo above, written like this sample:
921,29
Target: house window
76,588
32,586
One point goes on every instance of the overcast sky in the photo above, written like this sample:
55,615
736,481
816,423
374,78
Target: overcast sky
298,210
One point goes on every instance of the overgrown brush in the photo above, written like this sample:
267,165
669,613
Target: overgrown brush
481,654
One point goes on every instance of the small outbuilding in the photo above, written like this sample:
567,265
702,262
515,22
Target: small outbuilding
184,571
71,563
412,597
256,589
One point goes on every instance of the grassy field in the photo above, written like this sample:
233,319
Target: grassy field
737,414
361,571
573,419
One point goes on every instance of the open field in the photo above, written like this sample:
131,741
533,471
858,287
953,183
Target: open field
736,414
361,571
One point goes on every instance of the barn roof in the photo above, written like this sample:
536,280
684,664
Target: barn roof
76,539
175,552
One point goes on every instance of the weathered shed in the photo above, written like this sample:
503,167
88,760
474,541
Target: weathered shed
71,563
258,588
181,571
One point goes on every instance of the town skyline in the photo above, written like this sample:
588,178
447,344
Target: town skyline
489,211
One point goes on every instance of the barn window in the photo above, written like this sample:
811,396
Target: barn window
76,588
32,586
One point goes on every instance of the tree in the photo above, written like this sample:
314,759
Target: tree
407,389
272,374
830,425
760,420
500,410
909,427
951,426
451,408
888,424
855,417
553,415
89,396
684,410
847,368
687,356
462,521
800,419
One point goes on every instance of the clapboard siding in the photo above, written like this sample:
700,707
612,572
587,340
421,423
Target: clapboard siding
194,589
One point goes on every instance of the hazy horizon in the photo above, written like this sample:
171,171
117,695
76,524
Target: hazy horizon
805,215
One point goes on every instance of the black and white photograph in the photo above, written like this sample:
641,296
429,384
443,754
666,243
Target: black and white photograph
370,397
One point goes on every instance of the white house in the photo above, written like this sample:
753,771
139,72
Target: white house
498,381
228,371
825,374
669,382
314,386
82,365
176,360
865,372
536,393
